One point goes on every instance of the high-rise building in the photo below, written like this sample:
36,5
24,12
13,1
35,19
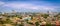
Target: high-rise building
13,11
0,12
50,13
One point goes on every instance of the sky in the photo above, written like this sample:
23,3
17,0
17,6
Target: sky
29,5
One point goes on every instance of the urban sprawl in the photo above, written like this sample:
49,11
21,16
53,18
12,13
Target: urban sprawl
30,19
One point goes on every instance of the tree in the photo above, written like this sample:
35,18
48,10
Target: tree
37,23
45,15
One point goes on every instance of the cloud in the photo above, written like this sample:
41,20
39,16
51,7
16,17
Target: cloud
21,5
26,6
1,3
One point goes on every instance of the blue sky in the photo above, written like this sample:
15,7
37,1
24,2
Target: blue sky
29,5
